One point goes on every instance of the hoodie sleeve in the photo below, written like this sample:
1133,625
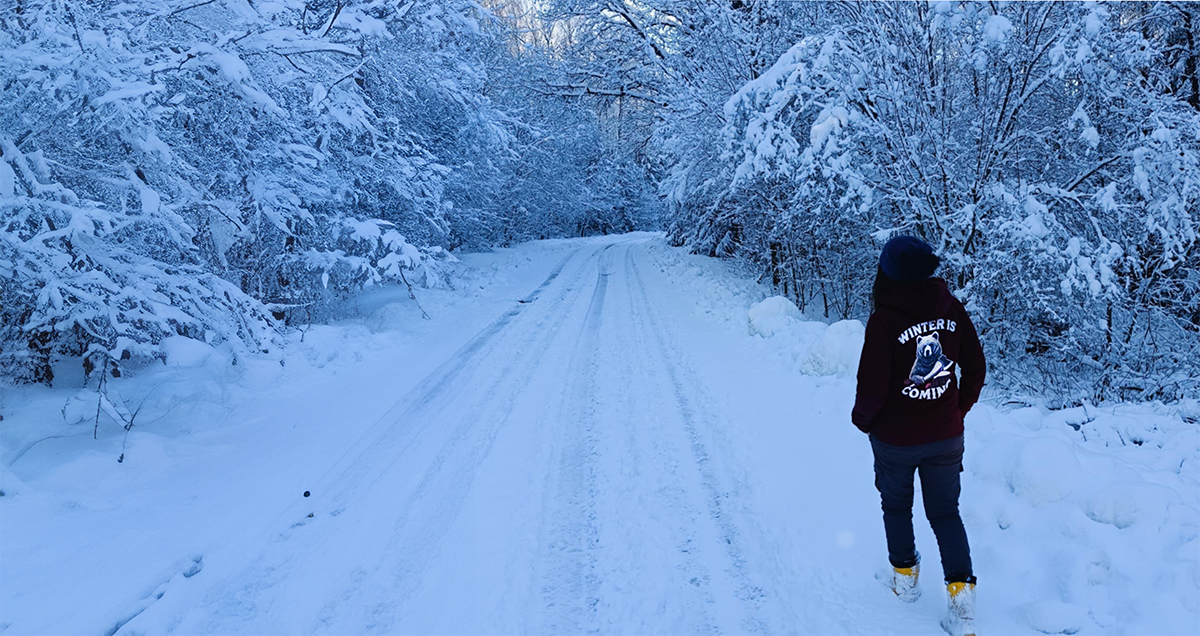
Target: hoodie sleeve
971,362
874,374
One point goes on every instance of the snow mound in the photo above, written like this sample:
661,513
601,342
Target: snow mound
837,351
772,316
1043,470
185,352
1189,410
1055,617
10,484
1123,505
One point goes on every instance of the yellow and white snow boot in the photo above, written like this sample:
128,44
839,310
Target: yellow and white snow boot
960,620
904,583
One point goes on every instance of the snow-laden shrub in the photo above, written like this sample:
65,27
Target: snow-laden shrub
106,285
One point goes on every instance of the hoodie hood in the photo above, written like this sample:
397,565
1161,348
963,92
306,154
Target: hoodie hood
919,298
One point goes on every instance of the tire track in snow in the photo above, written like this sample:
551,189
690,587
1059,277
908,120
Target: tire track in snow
433,505
436,385
718,499
246,598
570,587
692,580
399,491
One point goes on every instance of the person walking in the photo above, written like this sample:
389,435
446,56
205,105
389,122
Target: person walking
911,404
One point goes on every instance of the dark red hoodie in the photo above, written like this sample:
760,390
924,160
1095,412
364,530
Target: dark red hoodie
916,341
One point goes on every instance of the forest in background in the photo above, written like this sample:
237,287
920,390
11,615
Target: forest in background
226,169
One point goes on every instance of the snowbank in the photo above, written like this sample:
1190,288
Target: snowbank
772,316
1124,504
1094,533
185,352
1081,520
1043,470
815,348
837,351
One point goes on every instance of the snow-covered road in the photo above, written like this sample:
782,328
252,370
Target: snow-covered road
564,471
585,439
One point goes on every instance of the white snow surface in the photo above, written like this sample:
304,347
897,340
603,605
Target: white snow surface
837,350
773,315
584,438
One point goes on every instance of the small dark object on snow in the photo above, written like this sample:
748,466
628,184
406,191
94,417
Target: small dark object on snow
306,493
310,515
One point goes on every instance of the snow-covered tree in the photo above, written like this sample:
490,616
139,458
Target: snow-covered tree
1049,150
219,169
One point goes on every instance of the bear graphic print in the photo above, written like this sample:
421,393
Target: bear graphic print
931,371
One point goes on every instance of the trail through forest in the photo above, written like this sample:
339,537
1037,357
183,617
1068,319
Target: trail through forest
596,445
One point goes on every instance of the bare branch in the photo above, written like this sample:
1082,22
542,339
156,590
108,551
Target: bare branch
190,7
336,13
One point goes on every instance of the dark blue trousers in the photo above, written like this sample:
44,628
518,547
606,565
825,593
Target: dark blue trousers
939,464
